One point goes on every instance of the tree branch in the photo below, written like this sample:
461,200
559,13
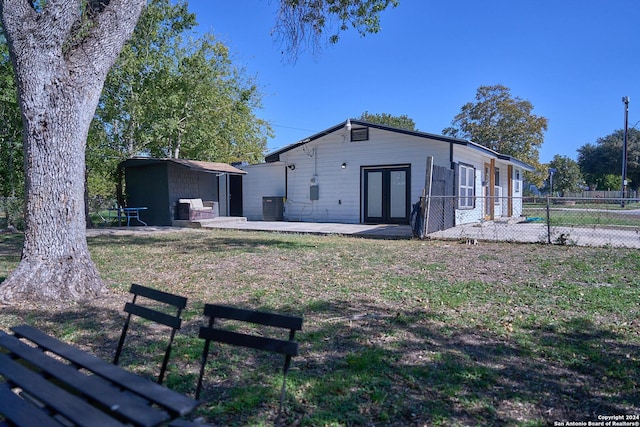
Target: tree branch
110,25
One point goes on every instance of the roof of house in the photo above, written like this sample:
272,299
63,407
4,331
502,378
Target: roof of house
209,167
275,156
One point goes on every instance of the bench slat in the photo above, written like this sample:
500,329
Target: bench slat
70,406
165,297
21,413
257,317
153,315
93,387
260,343
168,399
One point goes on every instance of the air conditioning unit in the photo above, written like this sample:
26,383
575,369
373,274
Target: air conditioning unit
273,208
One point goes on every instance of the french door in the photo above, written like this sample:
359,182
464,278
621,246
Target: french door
386,195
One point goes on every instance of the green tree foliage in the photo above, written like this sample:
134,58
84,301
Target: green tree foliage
567,176
11,163
602,161
609,182
401,122
305,24
173,96
502,123
11,170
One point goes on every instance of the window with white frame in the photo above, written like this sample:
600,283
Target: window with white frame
466,186
517,181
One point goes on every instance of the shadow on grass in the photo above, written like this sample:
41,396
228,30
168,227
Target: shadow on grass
360,364
403,368
199,242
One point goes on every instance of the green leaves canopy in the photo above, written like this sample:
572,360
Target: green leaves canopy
502,123
602,162
401,122
567,177
171,96
11,164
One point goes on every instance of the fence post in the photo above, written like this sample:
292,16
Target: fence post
428,177
548,221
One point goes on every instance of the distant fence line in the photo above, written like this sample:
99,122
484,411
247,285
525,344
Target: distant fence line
11,210
578,221
602,194
552,220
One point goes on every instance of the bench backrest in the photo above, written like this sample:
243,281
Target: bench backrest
288,348
193,203
136,308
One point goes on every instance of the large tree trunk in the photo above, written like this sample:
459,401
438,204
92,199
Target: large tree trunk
61,57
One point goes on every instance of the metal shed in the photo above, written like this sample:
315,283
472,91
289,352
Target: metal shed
157,184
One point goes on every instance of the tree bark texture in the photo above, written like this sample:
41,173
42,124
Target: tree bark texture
61,56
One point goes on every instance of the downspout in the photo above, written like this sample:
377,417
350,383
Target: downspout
453,165
453,168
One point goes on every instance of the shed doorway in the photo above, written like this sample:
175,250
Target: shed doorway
386,194
235,195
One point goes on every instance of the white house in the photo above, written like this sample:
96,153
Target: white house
359,172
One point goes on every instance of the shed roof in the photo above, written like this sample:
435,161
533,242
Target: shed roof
210,167
275,156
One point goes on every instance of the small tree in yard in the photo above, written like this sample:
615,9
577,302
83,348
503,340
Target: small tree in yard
567,176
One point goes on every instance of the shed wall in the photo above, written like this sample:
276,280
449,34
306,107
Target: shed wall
147,186
184,183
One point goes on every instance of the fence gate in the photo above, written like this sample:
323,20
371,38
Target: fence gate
441,206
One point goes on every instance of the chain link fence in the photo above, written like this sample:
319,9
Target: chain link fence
99,210
12,217
550,220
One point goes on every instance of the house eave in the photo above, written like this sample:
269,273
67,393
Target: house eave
275,156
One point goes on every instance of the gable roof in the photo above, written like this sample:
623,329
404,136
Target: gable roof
209,167
275,156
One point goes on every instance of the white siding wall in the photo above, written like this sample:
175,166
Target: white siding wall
475,159
340,189
262,180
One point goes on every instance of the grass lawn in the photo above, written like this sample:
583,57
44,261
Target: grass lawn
395,332
578,215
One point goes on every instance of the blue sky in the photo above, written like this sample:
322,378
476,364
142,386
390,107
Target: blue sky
573,60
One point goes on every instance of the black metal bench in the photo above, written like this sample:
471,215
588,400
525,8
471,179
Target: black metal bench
48,382
104,393
20,413
288,348
135,308
172,402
